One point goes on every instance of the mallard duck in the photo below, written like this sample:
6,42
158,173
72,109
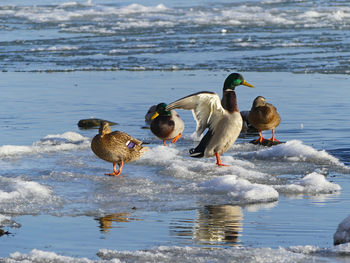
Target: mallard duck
116,147
221,117
264,116
166,125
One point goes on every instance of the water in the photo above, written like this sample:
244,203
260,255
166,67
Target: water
66,61
294,36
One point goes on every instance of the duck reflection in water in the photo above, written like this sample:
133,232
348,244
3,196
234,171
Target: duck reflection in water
219,223
107,221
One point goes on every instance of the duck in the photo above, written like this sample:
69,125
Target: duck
264,116
220,116
116,147
166,124
149,114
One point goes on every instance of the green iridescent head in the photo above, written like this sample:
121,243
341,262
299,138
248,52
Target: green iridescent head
161,111
234,80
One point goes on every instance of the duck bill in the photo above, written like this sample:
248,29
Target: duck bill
247,84
155,115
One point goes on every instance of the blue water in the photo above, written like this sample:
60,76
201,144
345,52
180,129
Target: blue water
66,61
294,36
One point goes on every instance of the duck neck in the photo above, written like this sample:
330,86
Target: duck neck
229,101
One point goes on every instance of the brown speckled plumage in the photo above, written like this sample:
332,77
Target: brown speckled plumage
264,116
116,147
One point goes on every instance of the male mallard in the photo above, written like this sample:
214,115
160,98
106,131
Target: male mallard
222,118
116,147
166,125
264,116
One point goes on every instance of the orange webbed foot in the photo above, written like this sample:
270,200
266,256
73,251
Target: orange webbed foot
115,172
218,160
273,139
176,138
260,139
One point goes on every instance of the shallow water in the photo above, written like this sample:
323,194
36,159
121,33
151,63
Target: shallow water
282,203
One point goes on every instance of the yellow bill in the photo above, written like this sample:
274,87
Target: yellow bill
155,115
247,84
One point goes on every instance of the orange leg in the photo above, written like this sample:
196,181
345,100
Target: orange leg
176,138
115,172
260,139
218,160
164,142
273,136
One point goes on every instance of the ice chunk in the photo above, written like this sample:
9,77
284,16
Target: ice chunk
240,189
313,183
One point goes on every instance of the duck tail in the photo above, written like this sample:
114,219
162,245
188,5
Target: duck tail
198,152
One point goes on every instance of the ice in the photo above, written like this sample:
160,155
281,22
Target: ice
342,235
223,16
171,254
70,11
313,183
55,48
193,254
240,189
340,251
176,162
50,143
19,196
295,151
44,256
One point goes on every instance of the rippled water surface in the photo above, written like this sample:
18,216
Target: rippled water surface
296,36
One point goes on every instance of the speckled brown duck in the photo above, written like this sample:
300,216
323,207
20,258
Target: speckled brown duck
264,116
116,147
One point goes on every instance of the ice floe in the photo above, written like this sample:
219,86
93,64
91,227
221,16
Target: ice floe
18,196
239,189
50,143
295,151
171,254
313,183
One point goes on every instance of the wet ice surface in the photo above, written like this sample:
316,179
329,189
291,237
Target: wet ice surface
283,202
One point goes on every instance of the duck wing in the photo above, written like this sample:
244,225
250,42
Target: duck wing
206,108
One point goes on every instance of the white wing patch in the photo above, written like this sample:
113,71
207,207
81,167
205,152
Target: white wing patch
208,111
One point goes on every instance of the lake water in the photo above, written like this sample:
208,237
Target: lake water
68,61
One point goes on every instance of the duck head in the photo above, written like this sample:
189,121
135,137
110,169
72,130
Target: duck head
234,80
259,101
160,110
104,128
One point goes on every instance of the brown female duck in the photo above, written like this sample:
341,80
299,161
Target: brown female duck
264,116
116,147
